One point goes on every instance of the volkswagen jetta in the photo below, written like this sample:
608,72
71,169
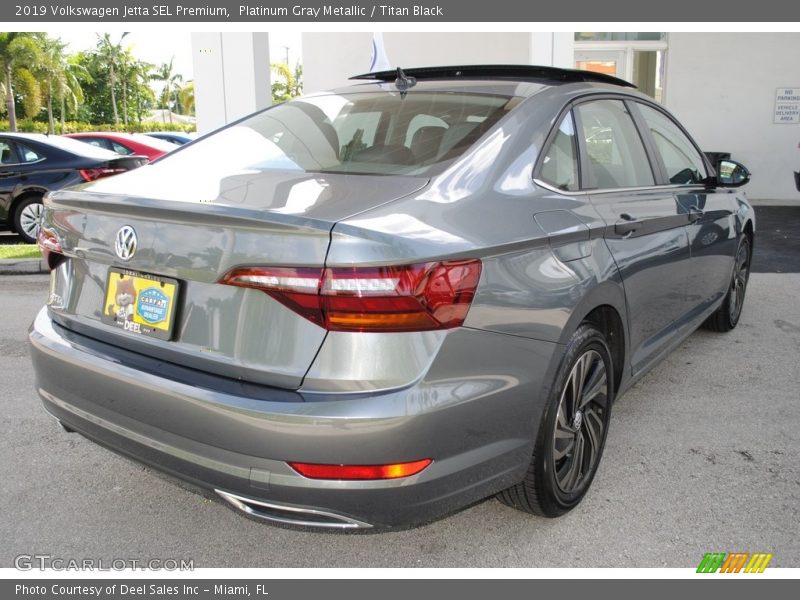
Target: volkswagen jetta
371,307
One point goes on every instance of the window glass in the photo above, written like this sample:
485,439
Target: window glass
617,158
97,142
356,131
682,160
560,164
27,154
422,122
370,133
119,148
7,156
620,36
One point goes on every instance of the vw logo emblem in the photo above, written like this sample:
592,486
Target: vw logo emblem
125,243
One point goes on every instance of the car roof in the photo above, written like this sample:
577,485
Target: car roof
62,143
135,138
537,73
508,80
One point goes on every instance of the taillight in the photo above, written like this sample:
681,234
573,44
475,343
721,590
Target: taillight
92,174
50,246
419,297
360,472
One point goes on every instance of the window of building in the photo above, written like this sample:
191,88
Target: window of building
636,57
619,36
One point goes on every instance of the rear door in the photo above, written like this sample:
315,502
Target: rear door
9,178
645,226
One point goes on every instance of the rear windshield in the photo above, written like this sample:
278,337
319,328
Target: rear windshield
74,146
365,133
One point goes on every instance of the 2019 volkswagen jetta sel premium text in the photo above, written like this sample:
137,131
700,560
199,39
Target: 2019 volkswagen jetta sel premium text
371,307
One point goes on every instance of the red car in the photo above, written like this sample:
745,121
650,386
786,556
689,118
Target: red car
126,143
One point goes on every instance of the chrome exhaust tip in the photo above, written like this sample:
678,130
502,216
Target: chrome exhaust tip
291,515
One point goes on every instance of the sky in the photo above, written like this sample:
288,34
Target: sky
157,48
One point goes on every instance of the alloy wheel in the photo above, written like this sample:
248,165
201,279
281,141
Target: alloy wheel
580,422
739,283
29,219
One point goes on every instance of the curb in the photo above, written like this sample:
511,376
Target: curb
22,266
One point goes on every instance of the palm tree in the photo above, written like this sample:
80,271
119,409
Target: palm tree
289,84
127,74
71,93
19,55
111,54
61,76
171,80
186,98
141,77
51,71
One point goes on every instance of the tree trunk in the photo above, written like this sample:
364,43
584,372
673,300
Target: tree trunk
112,80
12,112
125,103
63,115
51,126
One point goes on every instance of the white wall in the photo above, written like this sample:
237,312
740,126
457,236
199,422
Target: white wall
330,58
231,75
722,88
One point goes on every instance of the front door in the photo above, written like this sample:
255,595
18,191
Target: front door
645,226
710,214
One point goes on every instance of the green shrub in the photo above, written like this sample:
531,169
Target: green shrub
29,126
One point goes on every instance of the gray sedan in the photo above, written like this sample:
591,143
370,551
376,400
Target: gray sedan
371,307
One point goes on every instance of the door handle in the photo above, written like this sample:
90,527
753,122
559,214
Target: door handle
695,214
626,228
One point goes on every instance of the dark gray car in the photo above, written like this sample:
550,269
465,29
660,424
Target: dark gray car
370,307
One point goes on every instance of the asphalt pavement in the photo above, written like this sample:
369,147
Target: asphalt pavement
703,456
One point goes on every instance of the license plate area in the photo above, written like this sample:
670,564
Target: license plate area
140,303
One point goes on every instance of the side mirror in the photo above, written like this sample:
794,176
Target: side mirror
731,174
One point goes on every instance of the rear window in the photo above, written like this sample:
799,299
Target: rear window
73,146
365,133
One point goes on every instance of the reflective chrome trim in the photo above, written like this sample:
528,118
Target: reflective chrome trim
250,506
647,188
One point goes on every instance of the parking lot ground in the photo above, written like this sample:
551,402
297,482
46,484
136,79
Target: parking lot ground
777,247
703,455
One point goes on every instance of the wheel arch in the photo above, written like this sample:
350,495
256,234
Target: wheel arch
605,308
20,197
749,230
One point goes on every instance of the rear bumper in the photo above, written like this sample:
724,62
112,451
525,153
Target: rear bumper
475,420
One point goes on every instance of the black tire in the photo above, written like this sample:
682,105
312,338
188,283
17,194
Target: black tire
28,209
548,489
726,317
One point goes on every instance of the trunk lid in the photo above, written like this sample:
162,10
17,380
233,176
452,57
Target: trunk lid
187,234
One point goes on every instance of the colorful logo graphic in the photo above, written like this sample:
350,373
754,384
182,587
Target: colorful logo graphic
735,562
153,305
